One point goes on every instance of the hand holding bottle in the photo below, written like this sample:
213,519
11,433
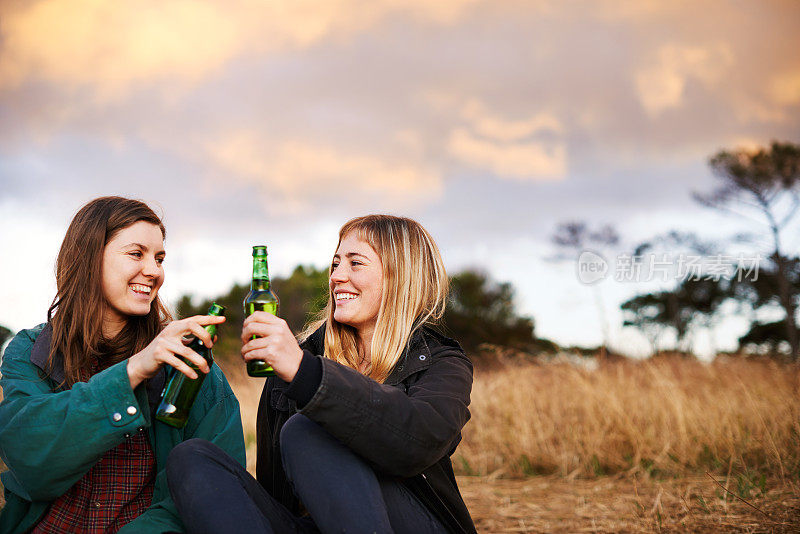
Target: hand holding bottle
274,343
168,348
181,390
260,298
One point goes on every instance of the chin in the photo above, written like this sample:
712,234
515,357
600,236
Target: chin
342,320
140,311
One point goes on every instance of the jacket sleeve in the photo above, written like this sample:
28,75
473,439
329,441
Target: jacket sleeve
43,435
221,424
401,433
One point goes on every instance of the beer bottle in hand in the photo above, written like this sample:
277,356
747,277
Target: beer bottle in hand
180,390
260,298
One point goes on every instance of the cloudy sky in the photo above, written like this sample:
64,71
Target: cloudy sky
490,122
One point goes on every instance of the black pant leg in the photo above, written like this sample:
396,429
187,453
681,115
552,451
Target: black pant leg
214,494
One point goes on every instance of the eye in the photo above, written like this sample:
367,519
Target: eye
160,261
356,262
334,265
136,254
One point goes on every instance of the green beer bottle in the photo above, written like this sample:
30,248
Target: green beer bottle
260,298
180,391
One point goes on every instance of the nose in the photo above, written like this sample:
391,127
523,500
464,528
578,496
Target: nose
339,274
151,268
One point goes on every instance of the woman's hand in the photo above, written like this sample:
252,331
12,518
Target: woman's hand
167,347
274,344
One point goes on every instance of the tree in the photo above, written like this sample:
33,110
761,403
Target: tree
306,293
575,237
762,292
694,302
480,310
652,314
674,240
763,185
767,338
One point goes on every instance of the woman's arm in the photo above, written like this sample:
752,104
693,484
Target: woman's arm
50,440
401,433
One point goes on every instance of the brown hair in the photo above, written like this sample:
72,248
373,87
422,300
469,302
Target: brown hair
79,306
414,292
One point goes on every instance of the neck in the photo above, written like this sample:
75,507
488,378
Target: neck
113,326
365,343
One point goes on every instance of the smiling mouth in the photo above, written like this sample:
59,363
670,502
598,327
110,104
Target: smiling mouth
341,297
141,289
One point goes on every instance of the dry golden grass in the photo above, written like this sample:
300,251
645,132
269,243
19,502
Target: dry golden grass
669,417
248,392
663,417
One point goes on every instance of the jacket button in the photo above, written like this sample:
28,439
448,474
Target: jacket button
131,410
141,429
117,417
422,357
127,435
97,504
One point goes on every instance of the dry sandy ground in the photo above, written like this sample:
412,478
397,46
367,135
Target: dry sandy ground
547,504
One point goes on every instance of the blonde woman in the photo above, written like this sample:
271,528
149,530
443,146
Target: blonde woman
356,431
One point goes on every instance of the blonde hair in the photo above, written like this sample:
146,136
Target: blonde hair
414,292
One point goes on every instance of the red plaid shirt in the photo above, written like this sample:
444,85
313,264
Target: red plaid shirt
116,490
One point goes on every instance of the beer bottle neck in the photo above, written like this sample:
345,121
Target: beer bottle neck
260,274
259,284
211,329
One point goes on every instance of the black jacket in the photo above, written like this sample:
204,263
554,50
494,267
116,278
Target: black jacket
406,427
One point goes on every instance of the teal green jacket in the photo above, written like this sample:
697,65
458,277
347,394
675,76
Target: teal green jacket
50,436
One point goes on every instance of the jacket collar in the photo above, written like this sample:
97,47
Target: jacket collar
415,358
40,354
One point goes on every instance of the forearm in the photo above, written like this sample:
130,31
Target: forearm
307,380
49,440
400,433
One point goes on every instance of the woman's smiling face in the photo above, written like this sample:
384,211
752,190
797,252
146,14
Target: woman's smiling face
132,272
356,282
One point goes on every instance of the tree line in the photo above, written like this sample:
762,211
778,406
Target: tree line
479,310
760,189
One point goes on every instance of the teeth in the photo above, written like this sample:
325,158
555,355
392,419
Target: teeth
139,288
345,296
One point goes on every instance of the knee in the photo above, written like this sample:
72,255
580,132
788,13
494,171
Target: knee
301,440
185,457
296,431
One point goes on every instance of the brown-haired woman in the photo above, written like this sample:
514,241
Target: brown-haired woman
356,431
76,428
